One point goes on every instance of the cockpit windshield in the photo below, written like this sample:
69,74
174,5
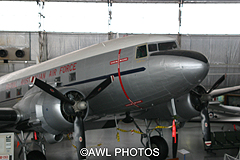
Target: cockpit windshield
166,46
161,46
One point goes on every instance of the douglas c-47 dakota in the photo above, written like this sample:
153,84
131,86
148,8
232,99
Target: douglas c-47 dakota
145,77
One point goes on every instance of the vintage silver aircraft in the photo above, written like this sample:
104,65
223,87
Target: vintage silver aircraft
143,76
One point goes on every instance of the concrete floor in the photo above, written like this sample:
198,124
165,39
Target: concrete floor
190,139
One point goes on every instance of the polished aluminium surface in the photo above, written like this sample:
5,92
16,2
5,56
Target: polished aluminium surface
152,80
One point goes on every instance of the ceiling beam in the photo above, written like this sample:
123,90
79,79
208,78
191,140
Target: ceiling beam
140,1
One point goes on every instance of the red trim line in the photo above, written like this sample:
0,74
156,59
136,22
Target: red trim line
120,80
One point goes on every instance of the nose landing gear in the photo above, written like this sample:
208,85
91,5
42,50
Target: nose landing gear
156,143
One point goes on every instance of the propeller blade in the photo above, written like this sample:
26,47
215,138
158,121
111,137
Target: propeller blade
206,127
217,83
79,124
50,90
205,98
79,136
100,88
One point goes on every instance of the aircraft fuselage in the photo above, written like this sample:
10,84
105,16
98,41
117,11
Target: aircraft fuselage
144,77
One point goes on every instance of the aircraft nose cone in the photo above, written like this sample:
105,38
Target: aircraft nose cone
177,71
194,68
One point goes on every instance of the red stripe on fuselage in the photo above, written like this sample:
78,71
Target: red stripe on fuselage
120,80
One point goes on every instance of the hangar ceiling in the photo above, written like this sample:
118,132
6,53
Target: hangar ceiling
141,1
223,51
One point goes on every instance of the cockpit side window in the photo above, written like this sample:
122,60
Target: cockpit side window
167,46
152,47
141,51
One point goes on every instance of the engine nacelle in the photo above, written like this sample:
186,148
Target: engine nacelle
190,105
184,107
47,113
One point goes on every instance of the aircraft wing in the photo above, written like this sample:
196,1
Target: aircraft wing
225,108
222,91
221,113
221,118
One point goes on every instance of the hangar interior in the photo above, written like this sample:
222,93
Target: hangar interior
223,52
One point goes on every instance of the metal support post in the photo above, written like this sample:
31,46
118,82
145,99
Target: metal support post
42,34
24,146
110,33
180,3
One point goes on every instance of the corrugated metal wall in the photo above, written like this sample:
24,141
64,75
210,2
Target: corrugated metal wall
223,51
18,40
59,44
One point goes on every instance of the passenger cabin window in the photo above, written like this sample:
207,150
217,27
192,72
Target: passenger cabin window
152,47
167,46
19,91
72,77
141,51
8,94
57,79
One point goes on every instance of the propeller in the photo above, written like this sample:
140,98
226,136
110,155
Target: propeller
206,130
203,99
79,136
50,90
100,88
217,83
78,107
206,96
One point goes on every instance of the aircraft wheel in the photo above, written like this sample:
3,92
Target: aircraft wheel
36,155
161,144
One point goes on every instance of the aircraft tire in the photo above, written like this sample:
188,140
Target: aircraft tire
161,144
36,155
